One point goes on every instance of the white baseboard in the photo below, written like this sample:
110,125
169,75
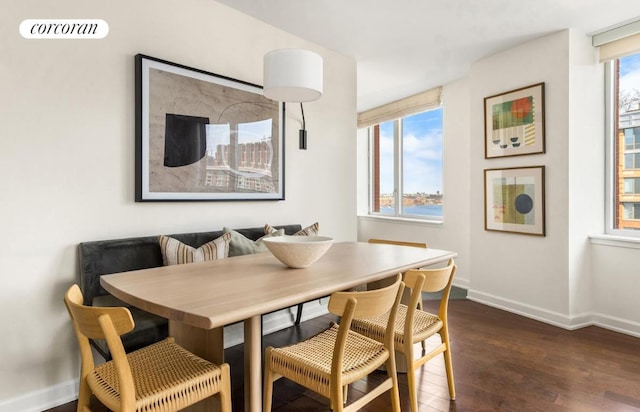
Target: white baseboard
461,283
42,399
624,326
532,312
617,324
66,392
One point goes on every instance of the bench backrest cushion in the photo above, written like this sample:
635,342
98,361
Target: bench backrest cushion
121,255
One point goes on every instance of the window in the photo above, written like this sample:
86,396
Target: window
406,166
632,160
631,211
632,185
623,85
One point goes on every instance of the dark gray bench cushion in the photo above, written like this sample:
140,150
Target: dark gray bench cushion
121,255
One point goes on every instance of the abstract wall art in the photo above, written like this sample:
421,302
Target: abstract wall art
202,136
514,200
514,122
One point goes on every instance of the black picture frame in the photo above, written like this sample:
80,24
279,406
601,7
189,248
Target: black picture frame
201,136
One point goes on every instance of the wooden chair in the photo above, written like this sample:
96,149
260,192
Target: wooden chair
160,377
403,243
327,362
413,325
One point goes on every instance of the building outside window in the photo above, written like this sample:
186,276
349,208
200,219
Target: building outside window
406,166
625,175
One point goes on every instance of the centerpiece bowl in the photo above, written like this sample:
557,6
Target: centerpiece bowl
298,251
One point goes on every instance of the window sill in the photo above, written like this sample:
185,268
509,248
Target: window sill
617,241
407,220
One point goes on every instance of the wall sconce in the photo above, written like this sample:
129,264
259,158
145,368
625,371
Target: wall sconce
294,76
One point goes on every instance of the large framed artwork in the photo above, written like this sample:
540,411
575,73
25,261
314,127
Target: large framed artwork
514,122
202,136
514,200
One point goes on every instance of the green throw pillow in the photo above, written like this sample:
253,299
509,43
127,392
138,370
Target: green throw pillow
241,245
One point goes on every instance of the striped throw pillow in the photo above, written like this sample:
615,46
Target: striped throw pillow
175,252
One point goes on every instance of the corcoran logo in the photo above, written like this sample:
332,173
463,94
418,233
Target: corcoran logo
64,29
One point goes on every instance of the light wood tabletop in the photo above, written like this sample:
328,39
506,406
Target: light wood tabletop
199,299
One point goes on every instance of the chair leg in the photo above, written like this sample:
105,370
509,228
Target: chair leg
411,377
225,390
411,383
84,396
336,398
395,390
423,343
448,365
299,314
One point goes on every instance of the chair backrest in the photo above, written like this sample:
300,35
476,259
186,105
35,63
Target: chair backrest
435,280
109,323
370,303
86,318
399,243
364,304
428,280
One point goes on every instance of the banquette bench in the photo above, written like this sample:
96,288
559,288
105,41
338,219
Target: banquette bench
104,257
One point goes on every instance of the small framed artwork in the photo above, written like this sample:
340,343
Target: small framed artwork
514,200
514,122
202,136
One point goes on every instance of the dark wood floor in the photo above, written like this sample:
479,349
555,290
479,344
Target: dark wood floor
502,362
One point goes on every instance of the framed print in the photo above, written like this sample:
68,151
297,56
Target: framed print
202,136
514,122
514,200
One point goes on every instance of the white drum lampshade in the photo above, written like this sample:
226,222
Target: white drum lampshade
292,75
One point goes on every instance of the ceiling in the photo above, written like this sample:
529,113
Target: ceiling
403,47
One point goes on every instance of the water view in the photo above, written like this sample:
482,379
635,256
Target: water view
421,210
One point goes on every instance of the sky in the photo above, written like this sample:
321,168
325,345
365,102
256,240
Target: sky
630,73
422,154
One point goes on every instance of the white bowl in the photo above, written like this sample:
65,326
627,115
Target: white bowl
298,251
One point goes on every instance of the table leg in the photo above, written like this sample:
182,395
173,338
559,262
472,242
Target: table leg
206,343
253,364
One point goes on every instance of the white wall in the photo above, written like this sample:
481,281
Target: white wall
586,170
561,278
515,270
67,160
615,283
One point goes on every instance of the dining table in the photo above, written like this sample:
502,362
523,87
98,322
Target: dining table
199,299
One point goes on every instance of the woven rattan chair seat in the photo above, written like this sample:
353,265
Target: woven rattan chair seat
424,325
309,362
165,375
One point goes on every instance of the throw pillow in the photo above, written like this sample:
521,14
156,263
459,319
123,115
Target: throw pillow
175,252
241,245
312,230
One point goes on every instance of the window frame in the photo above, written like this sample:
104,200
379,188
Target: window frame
398,173
611,121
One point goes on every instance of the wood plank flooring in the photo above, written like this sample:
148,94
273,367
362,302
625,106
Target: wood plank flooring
501,361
